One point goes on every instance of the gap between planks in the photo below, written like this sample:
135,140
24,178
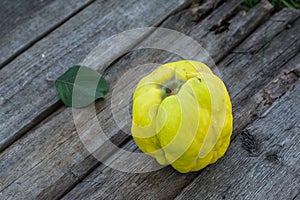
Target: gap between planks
49,141
142,59
104,177
17,85
9,54
173,181
267,163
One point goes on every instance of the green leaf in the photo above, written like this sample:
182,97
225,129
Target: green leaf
80,86
287,4
295,4
250,3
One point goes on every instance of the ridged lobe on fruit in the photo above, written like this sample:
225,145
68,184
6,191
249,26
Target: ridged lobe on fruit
188,130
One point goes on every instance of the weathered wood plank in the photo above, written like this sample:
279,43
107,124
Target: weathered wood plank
14,12
50,138
40,135
104,181
287,43
66,173
218,50
164,184
25,22
262,164
28,156
25,78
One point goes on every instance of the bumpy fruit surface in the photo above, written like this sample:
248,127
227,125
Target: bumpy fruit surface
181,115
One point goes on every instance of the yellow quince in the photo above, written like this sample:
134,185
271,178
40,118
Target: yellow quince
181,115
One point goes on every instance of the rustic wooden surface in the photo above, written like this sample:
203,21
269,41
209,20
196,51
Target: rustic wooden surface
38,18
28,75
257,54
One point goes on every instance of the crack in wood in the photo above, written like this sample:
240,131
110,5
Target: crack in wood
277,88
21,130
224,24
84,174
272,155
199,12
249,143
296,196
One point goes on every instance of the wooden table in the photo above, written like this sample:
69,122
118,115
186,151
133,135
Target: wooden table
256,51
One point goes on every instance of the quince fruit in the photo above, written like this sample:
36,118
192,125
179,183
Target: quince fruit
181,115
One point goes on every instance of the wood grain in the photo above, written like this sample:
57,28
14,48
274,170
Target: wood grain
105,182
24,23
31,75
50,131
20,161
166,183
50,159
14,12
271,172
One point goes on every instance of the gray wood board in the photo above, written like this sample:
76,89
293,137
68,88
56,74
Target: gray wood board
270,171
59,183
25,22
15,12
52,176
51,134
26,84
166,183
105,182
